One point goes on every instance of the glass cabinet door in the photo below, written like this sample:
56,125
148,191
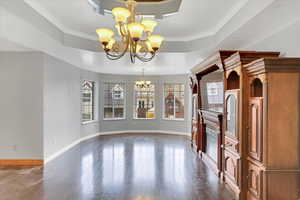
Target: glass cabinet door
231,114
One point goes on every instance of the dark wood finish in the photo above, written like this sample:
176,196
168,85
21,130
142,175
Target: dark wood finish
234,149
237,80
213,121
213,63
120,167
275,160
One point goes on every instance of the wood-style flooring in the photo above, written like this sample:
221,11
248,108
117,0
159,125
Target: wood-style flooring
118,167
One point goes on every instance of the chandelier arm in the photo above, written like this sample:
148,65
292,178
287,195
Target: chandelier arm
132,56
116,57
132,49
145,59
123,34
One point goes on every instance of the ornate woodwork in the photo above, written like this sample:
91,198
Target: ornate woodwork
255,128
212,139
273,158
210,124
237,112
260,138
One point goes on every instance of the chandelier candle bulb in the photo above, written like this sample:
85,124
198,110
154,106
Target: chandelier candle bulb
136,30
110,44
149,25
104,35
149,47
155,41
121,14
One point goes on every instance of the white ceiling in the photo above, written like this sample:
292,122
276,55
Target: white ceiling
196,18
60,28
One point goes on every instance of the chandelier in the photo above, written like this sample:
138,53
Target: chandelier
135,35
143,83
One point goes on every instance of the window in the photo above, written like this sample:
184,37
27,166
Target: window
144,98
114,101
174,101
87,101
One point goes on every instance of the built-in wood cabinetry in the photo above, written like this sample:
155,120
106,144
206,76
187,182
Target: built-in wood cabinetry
235,121
210,122
259,145
273,158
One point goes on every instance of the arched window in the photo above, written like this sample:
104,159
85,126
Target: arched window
87,101
114,100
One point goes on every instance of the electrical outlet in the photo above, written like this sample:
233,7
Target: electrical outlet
15,148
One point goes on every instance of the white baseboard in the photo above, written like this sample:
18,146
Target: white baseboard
63,150
144,131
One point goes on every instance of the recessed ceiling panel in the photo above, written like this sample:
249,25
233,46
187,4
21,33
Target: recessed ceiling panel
157,8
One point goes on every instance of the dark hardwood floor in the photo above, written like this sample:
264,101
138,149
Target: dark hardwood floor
119,167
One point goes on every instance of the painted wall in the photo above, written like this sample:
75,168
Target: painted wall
62,118
61,95
21,105
41,105
145,124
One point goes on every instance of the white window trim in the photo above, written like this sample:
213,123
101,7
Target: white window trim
90,122
124,97
94,101
134,104
164,108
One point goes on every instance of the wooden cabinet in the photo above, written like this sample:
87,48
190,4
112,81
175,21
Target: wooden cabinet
232,170
255,128
241,138
259,141
255,182
273,170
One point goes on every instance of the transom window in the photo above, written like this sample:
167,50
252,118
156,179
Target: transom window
87,101
114,100
174,101
144,99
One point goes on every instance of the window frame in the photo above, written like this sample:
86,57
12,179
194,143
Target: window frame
174,110
93,101
134,104
124,97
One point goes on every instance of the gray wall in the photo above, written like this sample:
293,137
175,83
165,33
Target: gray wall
41,105
21,118
141,124
61,97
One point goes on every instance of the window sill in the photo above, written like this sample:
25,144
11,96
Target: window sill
89,122
114,119
174,119
143,118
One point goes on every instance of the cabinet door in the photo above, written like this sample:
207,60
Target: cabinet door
231,168
254,182
255,128
231,107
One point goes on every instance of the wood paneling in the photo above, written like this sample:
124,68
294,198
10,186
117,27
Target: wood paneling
254,182
255,129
